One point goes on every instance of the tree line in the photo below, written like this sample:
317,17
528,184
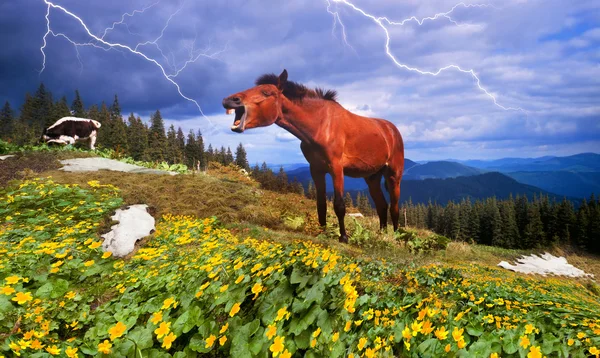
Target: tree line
514,223
132,138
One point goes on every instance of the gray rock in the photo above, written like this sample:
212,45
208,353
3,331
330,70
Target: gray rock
95,164
2,157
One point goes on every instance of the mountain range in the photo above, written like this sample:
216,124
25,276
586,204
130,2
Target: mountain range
576,177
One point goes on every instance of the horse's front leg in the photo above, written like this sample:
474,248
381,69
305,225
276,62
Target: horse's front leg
319,178
338,201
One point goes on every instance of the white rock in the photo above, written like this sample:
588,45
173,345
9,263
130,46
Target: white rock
2,157
134,224
95,164
356,215
543,265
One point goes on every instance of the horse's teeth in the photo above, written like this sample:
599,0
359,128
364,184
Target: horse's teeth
229,111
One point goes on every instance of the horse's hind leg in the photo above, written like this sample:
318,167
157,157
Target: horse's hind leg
374,183
393,182
319,179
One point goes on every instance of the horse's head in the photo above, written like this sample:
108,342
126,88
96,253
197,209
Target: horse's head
258,106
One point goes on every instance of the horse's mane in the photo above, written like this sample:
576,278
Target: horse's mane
297,91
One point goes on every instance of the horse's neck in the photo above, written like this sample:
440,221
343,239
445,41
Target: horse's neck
302,121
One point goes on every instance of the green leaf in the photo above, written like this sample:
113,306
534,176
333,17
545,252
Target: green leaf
475,329
299,277
44,291
297,325
59,288
510,343
428,346
142,337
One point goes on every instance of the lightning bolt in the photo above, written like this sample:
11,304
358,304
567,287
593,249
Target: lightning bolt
382,21
100,42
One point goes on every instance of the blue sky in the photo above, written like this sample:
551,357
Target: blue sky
539,55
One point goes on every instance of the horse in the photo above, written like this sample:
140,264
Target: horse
333,140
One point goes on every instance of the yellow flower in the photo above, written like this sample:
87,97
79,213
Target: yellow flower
494,355
529,328
313,342
37,345
106,255
223,288
117,331
21,297
457,334
104,347
156,317
95,245
595,351
277,346
348,326
210,341
286,354
11,280
239,279
441,333
427,327
71,352
70,295
416,328
317,332
88,263
461,343
168,341
281,313
447,348
406,333
271,331
524,342
534,352
7,290
222,340
54,350
570,342
256,289
163,329
168,302
224,328
235,309
580,335
362,342
335,337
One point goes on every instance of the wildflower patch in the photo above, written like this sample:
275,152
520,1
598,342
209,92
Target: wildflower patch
197,288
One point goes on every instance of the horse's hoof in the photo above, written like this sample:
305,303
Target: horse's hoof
344,239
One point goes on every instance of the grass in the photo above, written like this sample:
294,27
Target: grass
243,207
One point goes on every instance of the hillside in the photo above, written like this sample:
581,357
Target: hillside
258,279
574,184
439,170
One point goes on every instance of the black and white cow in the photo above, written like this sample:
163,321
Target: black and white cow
67,130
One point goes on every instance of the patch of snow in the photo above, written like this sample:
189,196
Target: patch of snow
543,265
134,224
356,215
2,157
95,164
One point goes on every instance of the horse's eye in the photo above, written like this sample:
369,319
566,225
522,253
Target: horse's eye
266,93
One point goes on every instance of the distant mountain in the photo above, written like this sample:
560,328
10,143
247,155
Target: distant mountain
440,170
576,184
286,167
584,162
304,177
476,187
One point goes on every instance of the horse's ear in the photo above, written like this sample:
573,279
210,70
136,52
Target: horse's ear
282,79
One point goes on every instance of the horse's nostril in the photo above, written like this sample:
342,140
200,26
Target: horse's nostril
236,99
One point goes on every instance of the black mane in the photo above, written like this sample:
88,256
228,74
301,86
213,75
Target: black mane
296,91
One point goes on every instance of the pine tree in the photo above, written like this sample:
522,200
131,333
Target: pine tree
221,156
581,226
364,205
118,128
348,200
24,129
77,107
43,104
228,157
210,154
565,221
137,138
297,187
241,159
282,180
534,231
157,140
172,156
60,110
190,150
180,145
510,232
104,138
312,191
201,156
7,118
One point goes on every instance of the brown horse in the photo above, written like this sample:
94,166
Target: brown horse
333,140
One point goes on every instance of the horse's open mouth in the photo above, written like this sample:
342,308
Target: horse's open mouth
240,118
